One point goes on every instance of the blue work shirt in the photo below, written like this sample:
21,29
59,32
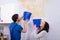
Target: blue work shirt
15,31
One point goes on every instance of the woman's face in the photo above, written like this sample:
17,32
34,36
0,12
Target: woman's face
42,25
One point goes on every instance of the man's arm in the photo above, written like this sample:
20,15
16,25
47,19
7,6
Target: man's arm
25,28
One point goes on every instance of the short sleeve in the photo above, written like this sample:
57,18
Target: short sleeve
19,28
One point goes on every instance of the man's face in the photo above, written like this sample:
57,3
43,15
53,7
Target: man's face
19,18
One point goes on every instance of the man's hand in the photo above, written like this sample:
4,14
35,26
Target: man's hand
25,22
21,18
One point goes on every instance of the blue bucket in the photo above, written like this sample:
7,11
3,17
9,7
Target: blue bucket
27,15
37,22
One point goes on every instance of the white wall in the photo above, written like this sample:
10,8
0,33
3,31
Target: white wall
53,17
52,14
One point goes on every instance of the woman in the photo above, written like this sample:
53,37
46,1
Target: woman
42,31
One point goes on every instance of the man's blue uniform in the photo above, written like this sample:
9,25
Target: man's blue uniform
15,31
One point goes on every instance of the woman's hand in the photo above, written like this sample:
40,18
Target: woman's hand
35,28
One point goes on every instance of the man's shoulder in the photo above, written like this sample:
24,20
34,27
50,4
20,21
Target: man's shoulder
19,25
11,22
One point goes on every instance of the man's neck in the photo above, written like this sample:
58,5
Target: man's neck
17,22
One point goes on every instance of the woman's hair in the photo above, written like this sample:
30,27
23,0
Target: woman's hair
46,28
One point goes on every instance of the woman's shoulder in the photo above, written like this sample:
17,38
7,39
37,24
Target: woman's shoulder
43,32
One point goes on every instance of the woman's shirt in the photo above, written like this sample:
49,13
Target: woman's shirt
41,36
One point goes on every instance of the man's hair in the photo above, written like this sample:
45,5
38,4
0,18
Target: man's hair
15,17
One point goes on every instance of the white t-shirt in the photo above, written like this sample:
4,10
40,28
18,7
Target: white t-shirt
41,36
